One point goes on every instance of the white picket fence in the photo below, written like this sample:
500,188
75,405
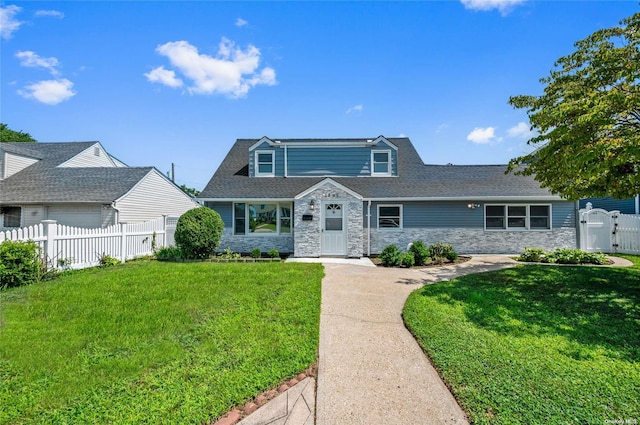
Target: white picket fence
609,231
79,248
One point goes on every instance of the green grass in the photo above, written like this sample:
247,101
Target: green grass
536,344
153,342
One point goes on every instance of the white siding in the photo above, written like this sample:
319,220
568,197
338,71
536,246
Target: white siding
76,215
32,214
151,198
88,158
14,163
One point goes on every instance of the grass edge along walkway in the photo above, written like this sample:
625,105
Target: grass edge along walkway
536,344
154,342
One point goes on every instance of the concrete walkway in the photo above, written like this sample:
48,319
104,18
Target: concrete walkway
371,370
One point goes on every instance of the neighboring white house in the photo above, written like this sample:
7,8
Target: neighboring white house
79,184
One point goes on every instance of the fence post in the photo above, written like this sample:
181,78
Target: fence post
50,232
164,229
123,244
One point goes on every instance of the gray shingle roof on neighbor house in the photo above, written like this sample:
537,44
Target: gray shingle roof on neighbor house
414,180
44,182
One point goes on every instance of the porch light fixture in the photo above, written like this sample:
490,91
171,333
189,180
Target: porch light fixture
473,206
312,205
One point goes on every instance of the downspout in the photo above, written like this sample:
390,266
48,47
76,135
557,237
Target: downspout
369,228
637,204
286,162
117,216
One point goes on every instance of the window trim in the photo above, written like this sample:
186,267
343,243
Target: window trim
279,217
527,227
389,169
401,221
256,164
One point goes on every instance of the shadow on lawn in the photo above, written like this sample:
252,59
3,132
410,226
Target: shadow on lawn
591,306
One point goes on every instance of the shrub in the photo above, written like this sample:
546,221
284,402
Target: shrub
108,261
391,256
594,258
273,253
451,256
229,255
256,253
407,259
420,253
440,251
20,263
198,233
168,253
532,255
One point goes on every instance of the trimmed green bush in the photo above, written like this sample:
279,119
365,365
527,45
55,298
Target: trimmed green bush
451,256
273,253
407,259
198,233
420,253
256,253
20,263
391,256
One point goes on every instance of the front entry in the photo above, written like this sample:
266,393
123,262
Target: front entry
334,232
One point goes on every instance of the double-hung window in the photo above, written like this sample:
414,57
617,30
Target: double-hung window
262,218
517,217
389,216
380,163
265,163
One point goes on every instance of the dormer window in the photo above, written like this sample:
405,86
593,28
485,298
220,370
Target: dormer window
380,163
265,166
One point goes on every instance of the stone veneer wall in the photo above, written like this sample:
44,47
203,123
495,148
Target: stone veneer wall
475,241
308,233
245,243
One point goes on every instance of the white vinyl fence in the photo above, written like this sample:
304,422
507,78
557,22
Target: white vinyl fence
79,248
609,231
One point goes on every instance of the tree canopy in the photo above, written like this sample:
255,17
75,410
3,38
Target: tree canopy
8,135
587,122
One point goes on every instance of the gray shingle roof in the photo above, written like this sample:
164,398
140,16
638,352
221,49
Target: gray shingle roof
415,179
43,182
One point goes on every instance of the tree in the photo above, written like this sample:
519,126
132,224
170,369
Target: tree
588,119
8,135
189,190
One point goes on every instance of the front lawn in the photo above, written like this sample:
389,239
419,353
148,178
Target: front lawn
536,344
154,342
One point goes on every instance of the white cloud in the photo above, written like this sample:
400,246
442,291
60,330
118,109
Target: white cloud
241,22
356,108
504,6
520,130
163,76
481,135
232,72
33,60
402,135
50,92
49,13
8,23
441,128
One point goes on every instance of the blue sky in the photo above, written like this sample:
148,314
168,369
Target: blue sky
163,82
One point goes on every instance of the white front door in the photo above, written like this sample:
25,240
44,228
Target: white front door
334,232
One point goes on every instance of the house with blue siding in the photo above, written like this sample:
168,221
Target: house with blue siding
353,197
